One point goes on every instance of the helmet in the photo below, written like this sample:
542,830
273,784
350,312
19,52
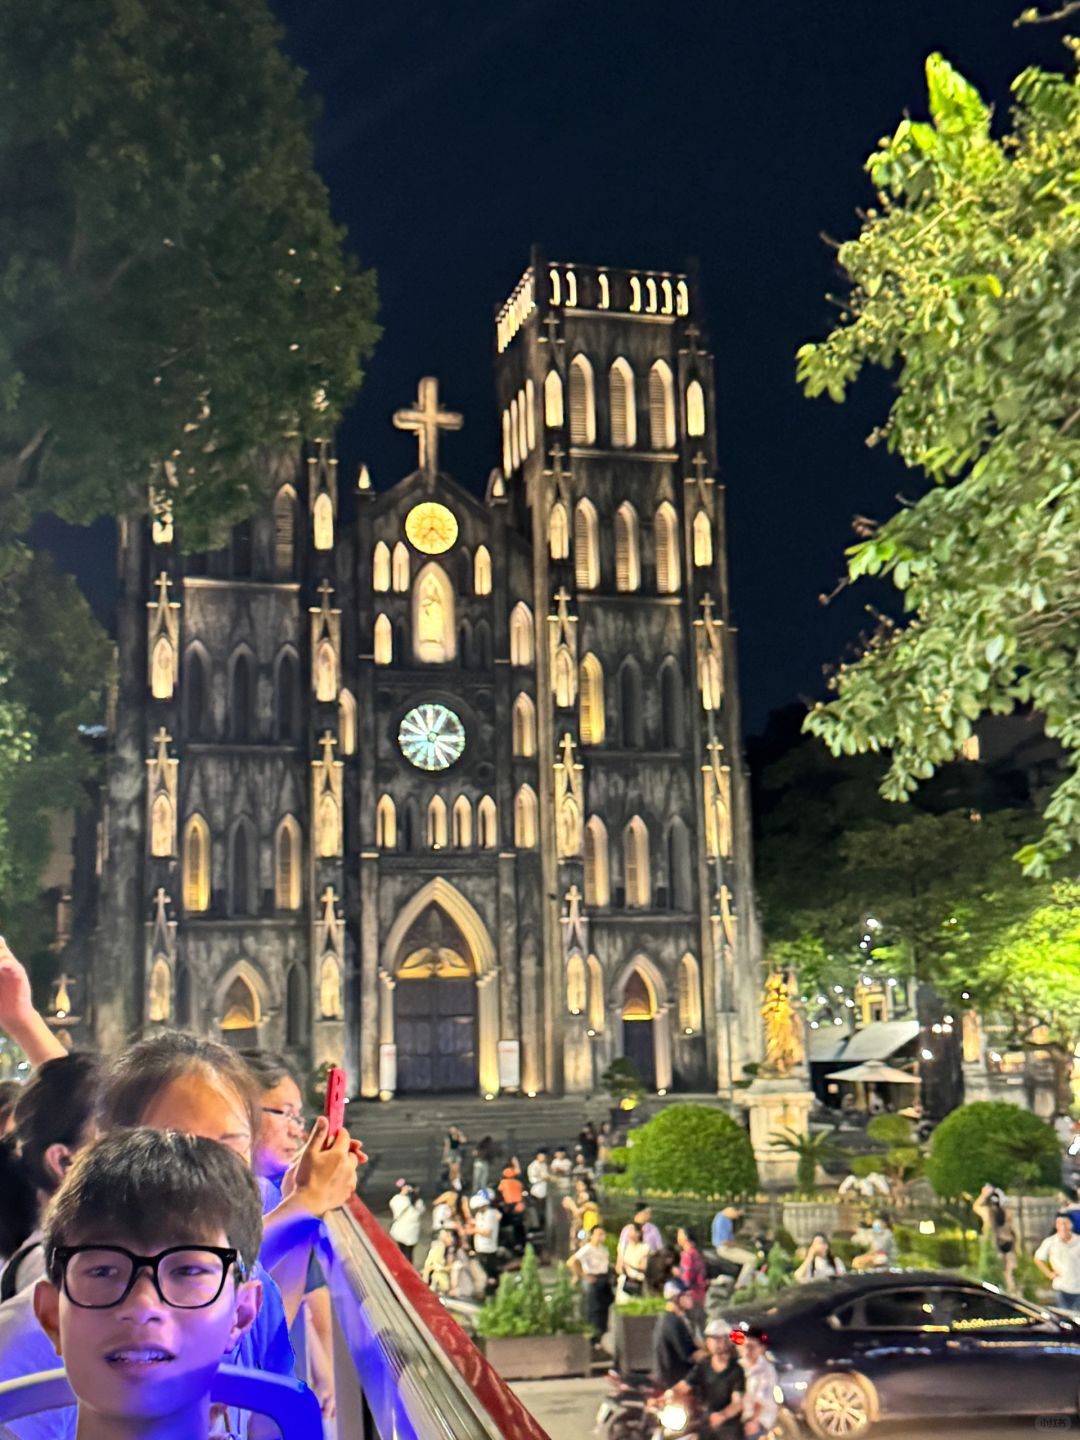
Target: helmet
717,1330
673,1289
482,1197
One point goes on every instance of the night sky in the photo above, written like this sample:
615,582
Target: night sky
633,133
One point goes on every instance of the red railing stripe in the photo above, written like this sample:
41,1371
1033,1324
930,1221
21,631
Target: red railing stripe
512,1419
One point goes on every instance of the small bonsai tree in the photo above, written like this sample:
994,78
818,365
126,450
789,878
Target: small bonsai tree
991,1141
692,1150
811,1149
623,1082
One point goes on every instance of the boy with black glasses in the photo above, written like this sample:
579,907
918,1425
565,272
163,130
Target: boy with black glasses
148,1246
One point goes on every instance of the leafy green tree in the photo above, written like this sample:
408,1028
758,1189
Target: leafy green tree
963,287
58,663
694,1150
174,295
990,1142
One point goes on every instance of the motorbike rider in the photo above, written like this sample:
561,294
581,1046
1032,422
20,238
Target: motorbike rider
674,1348
760,1410
718,1386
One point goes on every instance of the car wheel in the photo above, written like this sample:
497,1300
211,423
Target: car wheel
839,1407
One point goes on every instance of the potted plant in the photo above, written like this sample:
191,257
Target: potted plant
633,1324
807,1212
529,1335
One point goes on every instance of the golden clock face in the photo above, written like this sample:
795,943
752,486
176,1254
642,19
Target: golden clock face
431,527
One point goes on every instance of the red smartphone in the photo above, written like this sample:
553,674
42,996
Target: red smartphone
334,1109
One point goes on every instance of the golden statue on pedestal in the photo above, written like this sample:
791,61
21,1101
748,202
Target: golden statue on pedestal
785,1047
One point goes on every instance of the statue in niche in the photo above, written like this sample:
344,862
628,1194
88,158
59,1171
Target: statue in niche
325,672
328,827
161,826
431,620
569,827
161,673
785,1049
159,1000
330,989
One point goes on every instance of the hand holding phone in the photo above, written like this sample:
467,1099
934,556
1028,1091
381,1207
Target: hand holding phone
334,1108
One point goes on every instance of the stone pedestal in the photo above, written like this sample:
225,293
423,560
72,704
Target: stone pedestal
775,1104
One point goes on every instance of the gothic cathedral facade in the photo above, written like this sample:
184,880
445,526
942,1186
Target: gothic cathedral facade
453,794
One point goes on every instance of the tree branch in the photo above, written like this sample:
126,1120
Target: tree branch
1032,16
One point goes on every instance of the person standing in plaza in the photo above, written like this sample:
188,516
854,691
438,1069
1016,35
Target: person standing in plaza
1058,1257
486,1221
591,1266
406,1207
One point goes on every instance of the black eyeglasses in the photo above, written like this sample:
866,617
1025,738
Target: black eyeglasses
187,1277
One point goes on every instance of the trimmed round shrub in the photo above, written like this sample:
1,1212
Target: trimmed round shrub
991,1142
692,1150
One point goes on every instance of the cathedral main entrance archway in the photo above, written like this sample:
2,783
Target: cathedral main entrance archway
439,1008
435,1019
646,1023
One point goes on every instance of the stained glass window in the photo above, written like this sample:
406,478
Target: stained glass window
431,737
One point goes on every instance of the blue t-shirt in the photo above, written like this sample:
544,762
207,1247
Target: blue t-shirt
722,1229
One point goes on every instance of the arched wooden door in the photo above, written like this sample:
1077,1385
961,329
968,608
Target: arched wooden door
639,1031
435,1022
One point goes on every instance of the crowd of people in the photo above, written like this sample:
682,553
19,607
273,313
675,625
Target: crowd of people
158,1213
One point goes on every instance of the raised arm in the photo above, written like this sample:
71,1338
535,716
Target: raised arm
18,1018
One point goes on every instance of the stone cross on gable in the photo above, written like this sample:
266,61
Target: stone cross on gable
566,745
693,334
558,455
425,418
326,590
551,324
700,464
327,743
329,900
162,585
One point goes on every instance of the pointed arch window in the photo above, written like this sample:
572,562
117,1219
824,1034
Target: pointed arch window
461,826
695,409
436,823
702,539
521,635
507,454
380,567
196,694
384,640
287,697
682,298
661,407
576,985
523,726
592,701
523,428
196,865
623,410
597,863
287,869
399,568
323,527
515,447
582,402
434,637
386,823
241,697
295,1007
672,705
586,546
596,994
558,532
630,711
487,830
666,537
285,533
689,995
530,414
525,817
482,571
563,678
680,888
636,875
553,400
347,722
242,863
627,548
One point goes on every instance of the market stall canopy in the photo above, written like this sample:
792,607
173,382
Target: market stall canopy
875,1071
881,1039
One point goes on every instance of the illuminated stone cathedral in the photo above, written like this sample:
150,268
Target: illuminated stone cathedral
453,793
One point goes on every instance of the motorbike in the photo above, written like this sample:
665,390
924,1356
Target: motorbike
626,1412
678,1416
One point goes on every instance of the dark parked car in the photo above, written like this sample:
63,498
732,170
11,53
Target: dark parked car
913,1345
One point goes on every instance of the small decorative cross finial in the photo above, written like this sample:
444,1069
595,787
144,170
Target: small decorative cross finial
693,334
708,604
551,324
558,455
162,584
326,590
327,743
426,419
700,466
